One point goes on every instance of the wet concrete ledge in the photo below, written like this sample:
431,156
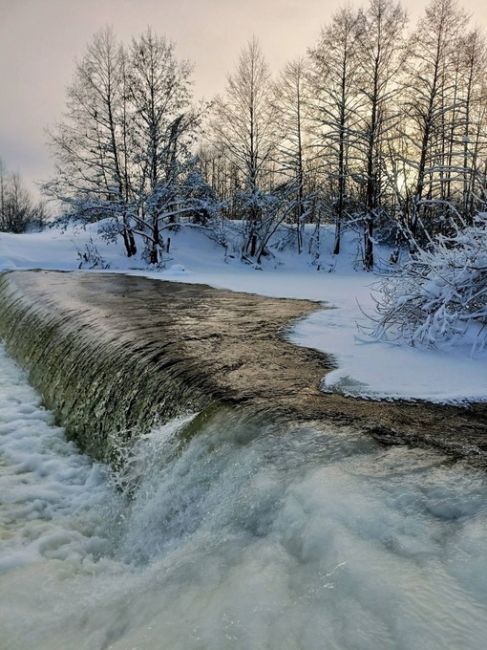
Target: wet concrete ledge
114,354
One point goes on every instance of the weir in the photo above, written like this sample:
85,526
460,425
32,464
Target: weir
113,355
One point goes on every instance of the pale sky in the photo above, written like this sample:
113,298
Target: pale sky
41,39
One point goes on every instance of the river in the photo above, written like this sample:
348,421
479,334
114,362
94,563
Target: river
248,536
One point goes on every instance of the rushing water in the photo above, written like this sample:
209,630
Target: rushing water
244,538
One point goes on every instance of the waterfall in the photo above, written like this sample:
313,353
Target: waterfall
252,534
102,383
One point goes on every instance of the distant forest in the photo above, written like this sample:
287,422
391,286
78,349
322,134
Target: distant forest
382,127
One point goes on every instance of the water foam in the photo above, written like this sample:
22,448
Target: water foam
244,537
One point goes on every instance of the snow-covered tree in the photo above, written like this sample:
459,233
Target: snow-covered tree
124,148
18,212
439,297
90,145
165,125
473,55
433,108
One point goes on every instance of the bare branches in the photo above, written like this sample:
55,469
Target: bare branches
17,210
124,149
377,127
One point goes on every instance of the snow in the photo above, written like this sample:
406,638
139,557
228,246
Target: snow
366,368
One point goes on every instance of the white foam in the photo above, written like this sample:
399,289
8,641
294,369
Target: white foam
299,538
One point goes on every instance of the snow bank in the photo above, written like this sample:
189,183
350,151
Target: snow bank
364,368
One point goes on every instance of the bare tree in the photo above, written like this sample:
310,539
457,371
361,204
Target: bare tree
335,69
380,51
89,147
124,148
432,102
3,179
17,210
165,126
473,55
291,101
243,125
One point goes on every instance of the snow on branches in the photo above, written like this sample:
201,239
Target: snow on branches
439,297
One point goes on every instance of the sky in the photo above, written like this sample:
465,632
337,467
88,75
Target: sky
40,40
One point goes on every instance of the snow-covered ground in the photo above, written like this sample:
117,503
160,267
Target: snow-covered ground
364,367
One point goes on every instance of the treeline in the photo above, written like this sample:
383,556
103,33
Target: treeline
381,127
18,212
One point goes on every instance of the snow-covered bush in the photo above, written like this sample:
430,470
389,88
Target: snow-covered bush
439,297
90,258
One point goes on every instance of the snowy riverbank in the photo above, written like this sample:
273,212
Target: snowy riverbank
364,368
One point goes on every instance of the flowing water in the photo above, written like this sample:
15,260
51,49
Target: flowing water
246,537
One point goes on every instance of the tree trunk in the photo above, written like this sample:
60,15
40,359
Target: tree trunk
154,253
369,245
